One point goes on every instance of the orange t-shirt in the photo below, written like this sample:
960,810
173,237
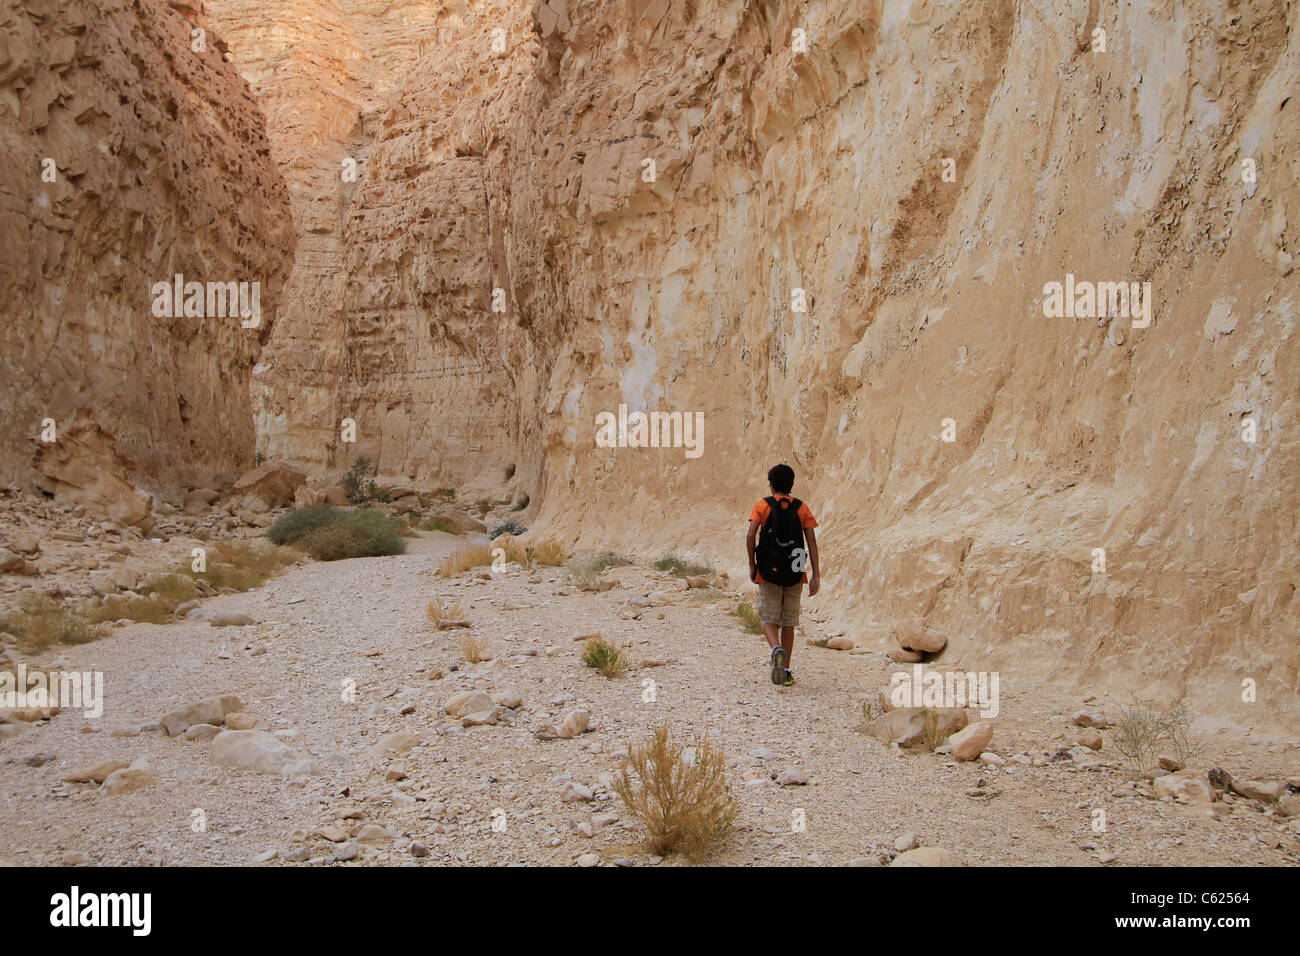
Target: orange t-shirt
806,520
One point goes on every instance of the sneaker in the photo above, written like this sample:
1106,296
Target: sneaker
789,679
778,665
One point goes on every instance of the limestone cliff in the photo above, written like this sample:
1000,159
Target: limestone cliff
833,229
132,152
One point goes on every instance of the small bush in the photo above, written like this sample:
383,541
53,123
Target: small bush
437,612
355,534
509,526
240,565
437,524
609,559
171,587
679,793
749,618
352,480
605,656
547,553
298,523
675,565
116,607
585,572
446,494
465,559
39,622
1139,731
472,648
483,506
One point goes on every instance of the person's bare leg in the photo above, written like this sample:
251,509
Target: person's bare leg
770,632
787,641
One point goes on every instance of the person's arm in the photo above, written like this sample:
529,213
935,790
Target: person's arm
814,579
750,539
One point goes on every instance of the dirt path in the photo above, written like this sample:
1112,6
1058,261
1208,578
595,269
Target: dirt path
321,625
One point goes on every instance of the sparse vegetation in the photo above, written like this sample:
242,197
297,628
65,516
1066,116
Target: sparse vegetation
473,648
679,792
361,489
296,524
131,607
749,618
446,494
240,565
605,656
437,524
1139,732
483,506
170,587
585,572
40,621
509,526
439,613
675,565
361,533
548,553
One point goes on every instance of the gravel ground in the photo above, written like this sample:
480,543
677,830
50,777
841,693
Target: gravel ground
324,627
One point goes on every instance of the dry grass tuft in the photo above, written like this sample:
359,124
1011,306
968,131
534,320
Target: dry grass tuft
39,622
679,792
131,607
749,617
445,615
473,648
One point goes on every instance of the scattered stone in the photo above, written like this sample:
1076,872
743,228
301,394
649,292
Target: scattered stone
575,792
840,643
229,619
96,772
575,723
126,780
397,743
202,732
211,710
1265,791
508,698
259,751
907,726
969,743
1184,786
793,777
922,639
1088,719
588,860
928,856
907,841
242,721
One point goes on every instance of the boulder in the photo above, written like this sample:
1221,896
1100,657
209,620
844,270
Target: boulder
922,640
906,726
575,723
840,643
461,522
1185,786
928,856
471,702
1265,791
900,656
305,495
85,468
210,710
335,495
96,772
259,751
274,483
969,743
126,780
198,501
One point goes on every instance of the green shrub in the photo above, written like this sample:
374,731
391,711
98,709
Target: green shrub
295,524
437,524
605,656
675,565
355,534
509,526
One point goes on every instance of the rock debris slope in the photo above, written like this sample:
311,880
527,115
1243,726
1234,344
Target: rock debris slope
156,162
1168,158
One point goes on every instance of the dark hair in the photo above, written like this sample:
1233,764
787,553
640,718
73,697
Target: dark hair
781,478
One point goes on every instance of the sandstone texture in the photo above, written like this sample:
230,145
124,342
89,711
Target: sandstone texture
129,157
837,255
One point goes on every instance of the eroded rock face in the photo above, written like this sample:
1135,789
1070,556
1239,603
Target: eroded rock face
798,268
155,163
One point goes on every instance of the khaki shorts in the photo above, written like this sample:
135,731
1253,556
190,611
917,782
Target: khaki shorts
778,605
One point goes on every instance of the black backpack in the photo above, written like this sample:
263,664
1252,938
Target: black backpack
779,538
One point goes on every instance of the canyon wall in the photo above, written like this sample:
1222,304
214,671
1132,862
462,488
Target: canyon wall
831,229
129,156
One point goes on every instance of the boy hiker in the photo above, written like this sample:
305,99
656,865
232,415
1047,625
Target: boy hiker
777,565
